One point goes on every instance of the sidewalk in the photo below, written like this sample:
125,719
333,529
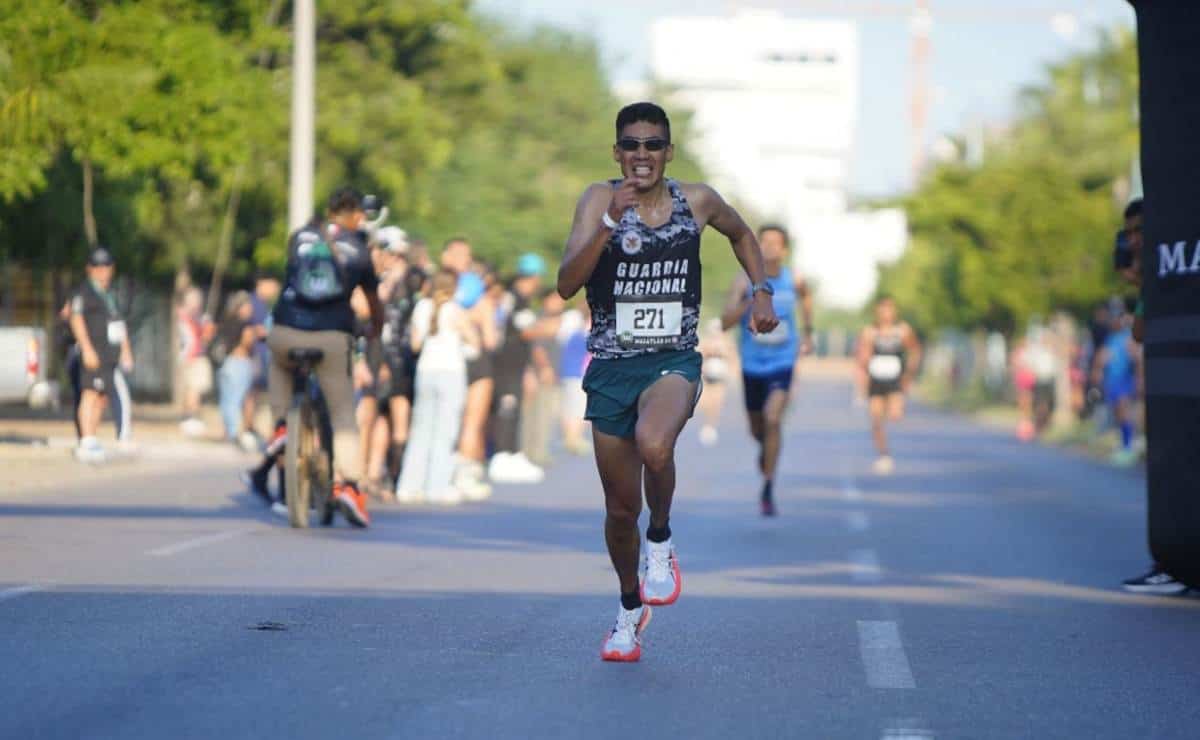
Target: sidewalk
37,449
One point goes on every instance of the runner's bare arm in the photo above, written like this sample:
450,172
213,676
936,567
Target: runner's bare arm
589,235
806,314
912,346
866,339
737,303
710,209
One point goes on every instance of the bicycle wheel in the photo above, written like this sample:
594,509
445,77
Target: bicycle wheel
321,482
299,486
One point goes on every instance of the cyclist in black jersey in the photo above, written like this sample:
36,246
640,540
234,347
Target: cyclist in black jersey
635,245
889,354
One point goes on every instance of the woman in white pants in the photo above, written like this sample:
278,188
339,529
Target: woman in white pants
440,333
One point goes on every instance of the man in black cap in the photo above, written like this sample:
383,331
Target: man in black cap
100,331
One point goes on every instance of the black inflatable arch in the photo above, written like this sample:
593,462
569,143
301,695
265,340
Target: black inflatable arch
1169,56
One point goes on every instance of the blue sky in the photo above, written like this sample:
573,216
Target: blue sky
978,66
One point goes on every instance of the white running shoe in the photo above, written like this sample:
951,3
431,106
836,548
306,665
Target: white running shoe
885,465
624,643
249,442
708,436
662,582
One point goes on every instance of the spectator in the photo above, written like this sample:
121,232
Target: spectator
1156,580
1115,372
573,334
195,370
714,347
440,333
509,464
544,403
103,339
472,447
266,292
232,351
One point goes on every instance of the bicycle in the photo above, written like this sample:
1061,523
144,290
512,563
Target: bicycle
309,452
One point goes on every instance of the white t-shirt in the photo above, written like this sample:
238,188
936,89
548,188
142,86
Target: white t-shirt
445,350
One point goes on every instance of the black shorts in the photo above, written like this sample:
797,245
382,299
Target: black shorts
480,368
883,387
402,383
100,380
756,388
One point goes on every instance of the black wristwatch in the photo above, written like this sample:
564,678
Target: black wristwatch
764,286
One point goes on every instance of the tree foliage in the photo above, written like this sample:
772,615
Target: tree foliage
1028,230
464,126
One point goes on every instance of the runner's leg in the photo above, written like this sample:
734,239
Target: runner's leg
621,476
896,403
663,409
878,408
772,438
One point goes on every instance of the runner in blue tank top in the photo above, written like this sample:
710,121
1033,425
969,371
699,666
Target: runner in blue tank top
769,359
635,245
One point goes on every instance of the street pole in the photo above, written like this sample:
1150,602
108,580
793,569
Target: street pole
300,187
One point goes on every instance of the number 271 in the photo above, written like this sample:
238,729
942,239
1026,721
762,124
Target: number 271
649,318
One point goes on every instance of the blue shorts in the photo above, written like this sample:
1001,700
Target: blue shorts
1119,388
757,388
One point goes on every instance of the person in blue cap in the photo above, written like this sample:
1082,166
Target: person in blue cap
521,328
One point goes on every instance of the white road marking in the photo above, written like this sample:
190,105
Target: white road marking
858,521
851,492
15,591
883,656
212,539
865,566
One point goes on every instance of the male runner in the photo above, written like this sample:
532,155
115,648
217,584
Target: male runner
769,359
326,262
889,354
635,244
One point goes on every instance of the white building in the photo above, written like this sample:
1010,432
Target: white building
775,102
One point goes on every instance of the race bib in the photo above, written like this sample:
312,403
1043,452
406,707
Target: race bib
649,323
116,332
885,367
779,335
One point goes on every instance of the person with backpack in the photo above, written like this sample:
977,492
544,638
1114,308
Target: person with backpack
232,351
327,261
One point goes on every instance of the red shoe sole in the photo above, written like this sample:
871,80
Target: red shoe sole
674,594
636,654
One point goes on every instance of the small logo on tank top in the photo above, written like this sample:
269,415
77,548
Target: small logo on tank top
631,243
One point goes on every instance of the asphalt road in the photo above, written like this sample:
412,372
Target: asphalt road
971,595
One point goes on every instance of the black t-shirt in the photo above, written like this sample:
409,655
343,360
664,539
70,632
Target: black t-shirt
355,270
230,335
397,312
513,356
102,317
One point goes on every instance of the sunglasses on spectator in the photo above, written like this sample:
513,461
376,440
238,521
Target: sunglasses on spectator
654,144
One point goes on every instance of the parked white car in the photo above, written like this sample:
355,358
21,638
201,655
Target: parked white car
23,356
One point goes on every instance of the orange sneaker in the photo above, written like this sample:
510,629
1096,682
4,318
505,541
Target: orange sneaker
353,504
624,643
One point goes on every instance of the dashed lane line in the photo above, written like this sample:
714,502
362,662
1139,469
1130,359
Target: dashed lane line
883,656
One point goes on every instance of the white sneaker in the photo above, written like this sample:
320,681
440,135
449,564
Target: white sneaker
469,482
446,497
249,442
507,467
624,643
885,465
662,582
708,436
193,427
278,508
409,497
533,472
90,451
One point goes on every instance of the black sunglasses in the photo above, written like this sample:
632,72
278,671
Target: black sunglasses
630,144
